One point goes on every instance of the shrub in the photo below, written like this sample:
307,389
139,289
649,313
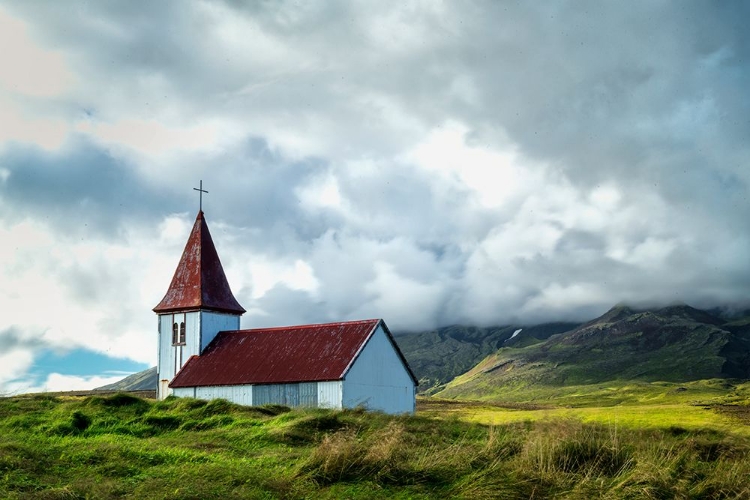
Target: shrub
272,410
80,421
589,454
163,422
572,447
217,407
207,423
121,399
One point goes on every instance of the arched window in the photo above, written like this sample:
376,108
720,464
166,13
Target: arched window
182,332
175,338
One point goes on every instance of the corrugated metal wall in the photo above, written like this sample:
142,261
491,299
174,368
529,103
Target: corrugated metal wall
329,394
302,394
378,379
240,394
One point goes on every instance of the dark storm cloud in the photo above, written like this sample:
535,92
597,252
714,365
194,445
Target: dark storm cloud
251,186
645,93
85,186
12,339
81,187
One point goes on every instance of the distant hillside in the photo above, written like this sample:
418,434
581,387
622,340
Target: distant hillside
437,356
677,343
141,381
673,344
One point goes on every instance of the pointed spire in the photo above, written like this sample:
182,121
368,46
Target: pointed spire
199,281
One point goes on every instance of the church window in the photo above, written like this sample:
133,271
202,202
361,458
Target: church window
175,338
182,332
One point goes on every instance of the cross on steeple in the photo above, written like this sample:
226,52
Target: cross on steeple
200,191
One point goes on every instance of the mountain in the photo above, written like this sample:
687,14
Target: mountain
437,356
141,381
676,343
672,344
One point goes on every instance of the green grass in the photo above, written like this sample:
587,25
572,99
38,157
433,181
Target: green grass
657,417
125,447
610,393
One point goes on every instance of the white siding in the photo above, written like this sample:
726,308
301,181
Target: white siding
213,323
184,392
329,394
240,394
293,394
200,328
297,394
378,380
171,358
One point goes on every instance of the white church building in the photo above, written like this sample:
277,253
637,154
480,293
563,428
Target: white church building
204,354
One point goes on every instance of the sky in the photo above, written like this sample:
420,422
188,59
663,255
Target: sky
430,163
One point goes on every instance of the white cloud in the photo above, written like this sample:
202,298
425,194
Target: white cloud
93,293
57,382
498,177
323,192
12,364
152,138
266,274
26,68
17,124
410,304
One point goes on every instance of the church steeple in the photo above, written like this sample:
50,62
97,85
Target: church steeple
199,283
197,306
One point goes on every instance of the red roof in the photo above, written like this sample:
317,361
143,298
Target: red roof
199,281
305,353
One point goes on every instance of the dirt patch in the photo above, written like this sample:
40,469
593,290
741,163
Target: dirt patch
741,413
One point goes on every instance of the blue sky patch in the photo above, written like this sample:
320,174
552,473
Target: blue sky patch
82,362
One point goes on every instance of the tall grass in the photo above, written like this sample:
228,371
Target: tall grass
124,447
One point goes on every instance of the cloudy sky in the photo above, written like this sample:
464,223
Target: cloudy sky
429,163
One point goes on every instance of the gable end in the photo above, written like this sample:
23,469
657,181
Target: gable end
394,345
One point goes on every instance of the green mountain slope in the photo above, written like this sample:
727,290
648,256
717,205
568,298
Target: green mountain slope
141,381
437,356
672,344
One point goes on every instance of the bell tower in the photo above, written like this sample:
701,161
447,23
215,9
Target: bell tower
198,305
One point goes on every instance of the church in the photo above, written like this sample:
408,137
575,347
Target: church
203,353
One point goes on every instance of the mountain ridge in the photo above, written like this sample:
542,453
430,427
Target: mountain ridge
677,343
717,347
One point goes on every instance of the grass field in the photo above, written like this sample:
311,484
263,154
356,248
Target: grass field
731,421
706,404
121,446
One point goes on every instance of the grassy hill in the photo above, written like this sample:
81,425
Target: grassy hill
673,344
125,447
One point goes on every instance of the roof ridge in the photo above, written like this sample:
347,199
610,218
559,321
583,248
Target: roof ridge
305,326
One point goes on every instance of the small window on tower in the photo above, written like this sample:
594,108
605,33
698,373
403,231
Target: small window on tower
182,332
175,338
